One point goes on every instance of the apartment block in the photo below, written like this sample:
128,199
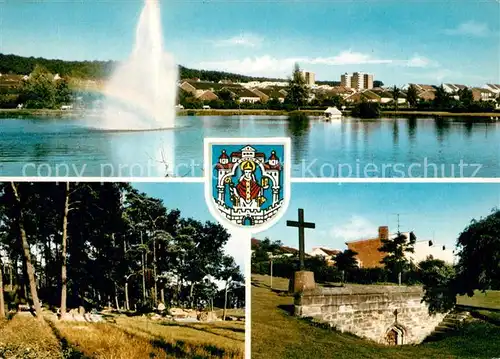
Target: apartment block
309,77
357,80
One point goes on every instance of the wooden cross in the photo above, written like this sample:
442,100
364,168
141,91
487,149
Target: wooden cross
301,225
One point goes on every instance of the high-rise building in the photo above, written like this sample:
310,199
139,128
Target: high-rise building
357,81
345,80
367,81
309,78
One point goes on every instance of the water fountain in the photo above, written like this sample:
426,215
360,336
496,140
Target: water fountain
141,93
141,96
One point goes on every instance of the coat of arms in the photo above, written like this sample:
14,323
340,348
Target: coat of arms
248,182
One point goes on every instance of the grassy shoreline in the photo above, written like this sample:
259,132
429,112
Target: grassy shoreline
247,112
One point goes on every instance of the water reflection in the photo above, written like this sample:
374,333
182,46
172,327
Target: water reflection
350,141
442,128
412,129
468,125
395,133
298,127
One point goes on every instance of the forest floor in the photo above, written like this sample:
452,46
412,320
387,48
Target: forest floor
278,334
121,337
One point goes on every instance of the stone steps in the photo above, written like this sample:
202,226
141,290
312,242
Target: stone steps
450,323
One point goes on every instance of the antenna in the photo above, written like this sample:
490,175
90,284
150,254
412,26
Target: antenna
399,220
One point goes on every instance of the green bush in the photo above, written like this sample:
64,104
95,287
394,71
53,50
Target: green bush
324,273
366,110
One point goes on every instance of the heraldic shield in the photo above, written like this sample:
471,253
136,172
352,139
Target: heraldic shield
247,180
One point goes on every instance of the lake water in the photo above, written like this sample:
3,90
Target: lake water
397,148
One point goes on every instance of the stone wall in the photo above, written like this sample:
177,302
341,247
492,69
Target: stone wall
385,314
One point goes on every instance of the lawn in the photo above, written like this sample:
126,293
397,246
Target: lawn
123,338
276,334
489,299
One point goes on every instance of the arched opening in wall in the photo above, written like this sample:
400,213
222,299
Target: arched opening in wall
395,335
247,221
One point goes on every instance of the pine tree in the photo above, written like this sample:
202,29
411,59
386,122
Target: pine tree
395,260
297,91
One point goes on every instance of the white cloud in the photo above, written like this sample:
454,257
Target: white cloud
419,61
268,65
259,65
356,228
245,40
348,58
236,246
470,28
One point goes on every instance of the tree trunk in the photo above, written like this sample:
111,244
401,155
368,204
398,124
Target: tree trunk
2,303
225,302
48,260
27,254
179,286
64,278
116,299
155,301
162,295
191,299
11,277
143,275
127,304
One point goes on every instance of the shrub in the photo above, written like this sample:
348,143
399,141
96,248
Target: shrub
439,291
366,110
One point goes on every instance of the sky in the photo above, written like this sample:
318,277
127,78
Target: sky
189,198
425,41
351,211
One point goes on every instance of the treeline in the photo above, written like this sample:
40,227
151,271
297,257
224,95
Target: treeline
216,76
445,101
343,267
97,245
40,91
13,64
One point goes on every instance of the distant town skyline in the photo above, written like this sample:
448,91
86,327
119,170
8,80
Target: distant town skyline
420,42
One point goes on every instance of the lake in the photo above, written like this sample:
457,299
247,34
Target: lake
388,148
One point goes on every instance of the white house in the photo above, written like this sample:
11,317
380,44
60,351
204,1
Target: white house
453,88
325,253
263,84
483,94
332,113
244,94
495,88
425,248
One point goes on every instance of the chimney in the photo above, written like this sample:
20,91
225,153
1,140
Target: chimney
383,232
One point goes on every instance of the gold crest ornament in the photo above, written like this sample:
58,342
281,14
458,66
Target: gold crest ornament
248,165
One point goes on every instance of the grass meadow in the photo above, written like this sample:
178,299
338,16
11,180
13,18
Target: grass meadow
122,338
277,334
